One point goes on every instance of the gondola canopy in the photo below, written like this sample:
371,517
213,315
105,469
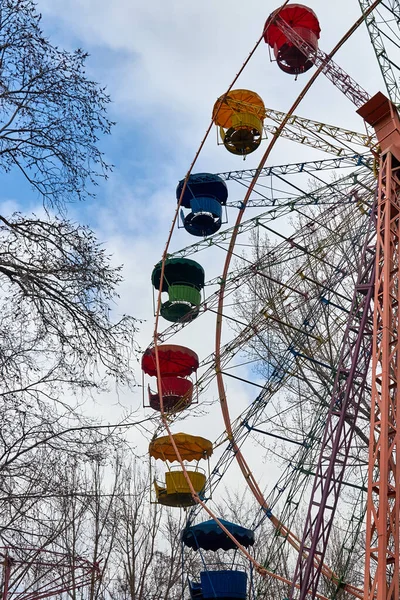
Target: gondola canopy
190,447
209,536
178,270
202,185
174,361
236,102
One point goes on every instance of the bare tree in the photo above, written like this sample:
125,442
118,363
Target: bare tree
60,335
57,291
57,339
148,543
70,527
51,114
100,510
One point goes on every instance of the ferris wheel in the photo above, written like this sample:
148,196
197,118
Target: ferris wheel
313,314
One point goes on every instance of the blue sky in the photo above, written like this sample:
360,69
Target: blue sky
165,63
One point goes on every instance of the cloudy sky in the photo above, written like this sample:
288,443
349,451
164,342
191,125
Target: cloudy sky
165,63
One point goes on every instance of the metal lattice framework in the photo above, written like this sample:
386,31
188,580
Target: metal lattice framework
360,179
349,389
337,426
382,570
350,160
389,69
59,573
346,84
286,368
329,138
383,516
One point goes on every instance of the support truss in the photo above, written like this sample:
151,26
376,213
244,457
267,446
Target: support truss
389,69
328,138
333,72
349,160
383,514
60,573
348,393
382,560
360,182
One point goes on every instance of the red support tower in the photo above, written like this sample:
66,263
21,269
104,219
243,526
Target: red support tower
40,574
382,566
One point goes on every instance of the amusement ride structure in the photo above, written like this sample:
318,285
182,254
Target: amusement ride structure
36,573
314,312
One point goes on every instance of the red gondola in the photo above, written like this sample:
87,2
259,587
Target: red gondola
305,23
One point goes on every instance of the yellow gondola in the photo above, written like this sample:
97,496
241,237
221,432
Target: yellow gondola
240,116
176,491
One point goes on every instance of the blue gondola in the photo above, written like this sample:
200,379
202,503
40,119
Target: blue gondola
218,584
205,195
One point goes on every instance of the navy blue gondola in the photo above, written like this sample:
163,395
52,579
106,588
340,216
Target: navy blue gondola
205,195
219,584
230,585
